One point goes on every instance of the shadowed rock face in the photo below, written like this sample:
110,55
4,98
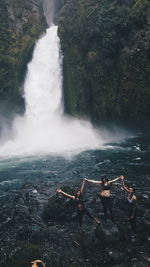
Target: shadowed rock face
35,223
106,47
21,22
21,14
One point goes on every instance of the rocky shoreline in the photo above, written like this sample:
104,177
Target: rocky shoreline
35,223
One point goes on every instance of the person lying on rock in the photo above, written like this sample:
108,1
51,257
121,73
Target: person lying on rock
132,204
105,194
37,263
79,204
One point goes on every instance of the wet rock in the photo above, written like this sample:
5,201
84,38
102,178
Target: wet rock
146,226
146,259
116,257
59,209
108,233
24,235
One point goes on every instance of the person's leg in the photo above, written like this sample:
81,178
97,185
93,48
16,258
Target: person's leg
80,219
104,204
109,206
133,224
85,211
132,220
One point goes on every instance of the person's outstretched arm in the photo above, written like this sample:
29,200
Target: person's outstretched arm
123,184
82,186
92,181
114,180
64,194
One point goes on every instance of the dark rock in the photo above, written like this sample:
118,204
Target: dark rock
22,22
58,208
24,235
106,48
109,233
116,257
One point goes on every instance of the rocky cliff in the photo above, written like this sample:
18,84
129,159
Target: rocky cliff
21,23
106,47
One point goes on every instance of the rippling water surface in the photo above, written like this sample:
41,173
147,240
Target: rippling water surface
130,158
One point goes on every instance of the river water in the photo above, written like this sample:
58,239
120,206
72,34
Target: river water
130,158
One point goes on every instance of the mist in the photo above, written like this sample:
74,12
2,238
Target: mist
49,8
44,128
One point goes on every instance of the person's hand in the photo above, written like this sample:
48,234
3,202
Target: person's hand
58,190
85,179
121,177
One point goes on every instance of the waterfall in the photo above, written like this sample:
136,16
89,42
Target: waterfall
44,128
43,84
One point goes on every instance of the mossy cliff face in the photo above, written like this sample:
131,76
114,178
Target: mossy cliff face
106,47
21,23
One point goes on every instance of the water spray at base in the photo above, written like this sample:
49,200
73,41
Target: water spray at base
44,129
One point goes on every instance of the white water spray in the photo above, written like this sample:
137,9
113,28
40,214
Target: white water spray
44,129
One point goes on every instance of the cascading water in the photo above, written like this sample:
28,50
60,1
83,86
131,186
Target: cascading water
44,128
42,89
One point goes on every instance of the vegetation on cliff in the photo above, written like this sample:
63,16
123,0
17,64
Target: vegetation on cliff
21,23
106,47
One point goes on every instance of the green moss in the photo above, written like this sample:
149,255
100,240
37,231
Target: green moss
106,59
16,45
